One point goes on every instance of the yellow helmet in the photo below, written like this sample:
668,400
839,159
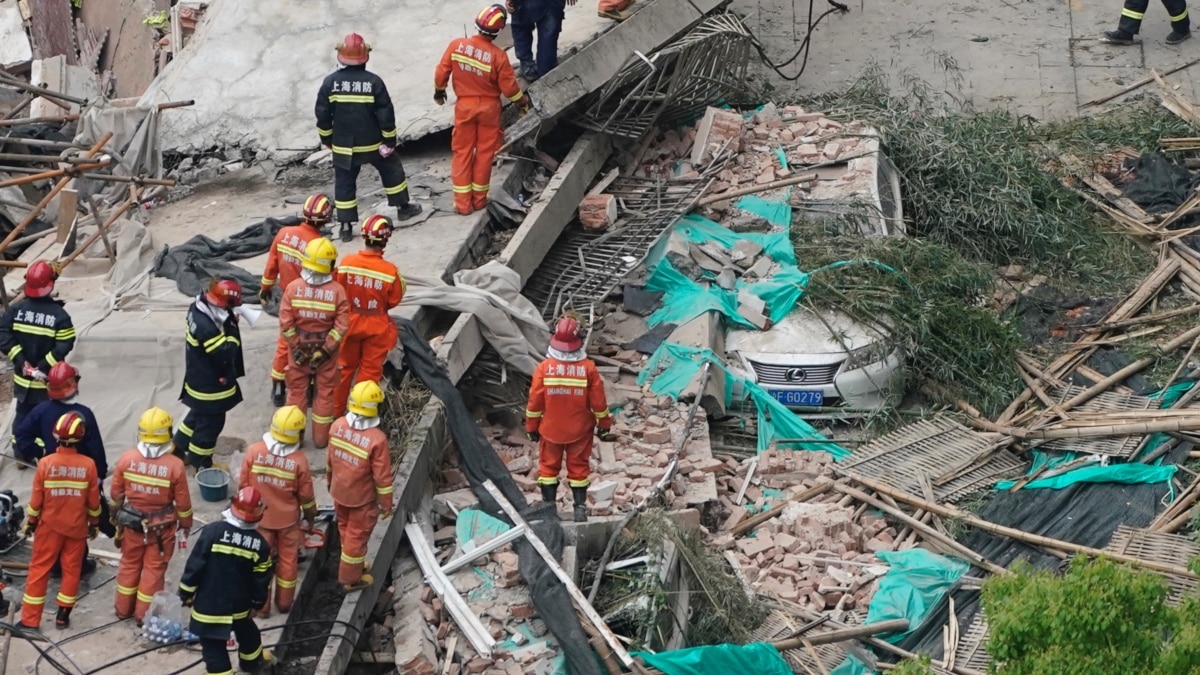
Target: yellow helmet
287,424
364,399
154,426
319,255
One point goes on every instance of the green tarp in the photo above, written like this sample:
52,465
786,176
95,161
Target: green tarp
759,658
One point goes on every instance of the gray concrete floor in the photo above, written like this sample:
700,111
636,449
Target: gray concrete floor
1040,58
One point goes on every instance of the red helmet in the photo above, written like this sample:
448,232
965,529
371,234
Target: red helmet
39,279
69,429
225,293
490,21
318,209
248,505
567,335
354,50
376,230
62,381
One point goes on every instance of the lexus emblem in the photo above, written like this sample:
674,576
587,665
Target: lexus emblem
795,374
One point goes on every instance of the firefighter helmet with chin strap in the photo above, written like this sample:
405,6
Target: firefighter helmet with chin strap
376,231
317,210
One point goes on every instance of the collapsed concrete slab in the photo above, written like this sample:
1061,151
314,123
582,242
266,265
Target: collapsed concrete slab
263,97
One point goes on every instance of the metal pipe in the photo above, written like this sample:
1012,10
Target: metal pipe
39,120
16,83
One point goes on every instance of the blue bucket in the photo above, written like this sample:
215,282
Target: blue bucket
214,484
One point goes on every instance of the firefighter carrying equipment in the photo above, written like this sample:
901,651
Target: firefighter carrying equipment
284,261
63,510
359,472
481,74
566,404
212,365
313,317
226,576
374,287
35,333
150,499
63,381
281,474
356,120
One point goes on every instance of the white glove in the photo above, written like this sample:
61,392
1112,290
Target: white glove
38,375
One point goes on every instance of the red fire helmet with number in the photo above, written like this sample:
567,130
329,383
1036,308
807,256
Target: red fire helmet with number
225,294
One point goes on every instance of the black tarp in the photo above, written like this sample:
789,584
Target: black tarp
1161,185
479,462
194,262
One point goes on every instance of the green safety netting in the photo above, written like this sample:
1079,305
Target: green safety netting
759,658
476,525
673,366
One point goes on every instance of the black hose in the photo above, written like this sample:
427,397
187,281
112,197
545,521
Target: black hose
804,45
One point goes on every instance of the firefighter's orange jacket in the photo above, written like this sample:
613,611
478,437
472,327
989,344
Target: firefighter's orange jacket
150,485
285,483
287,251
373,284
314,314
566,401
66,493
480,69
359,465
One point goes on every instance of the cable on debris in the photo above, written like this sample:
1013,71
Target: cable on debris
835,6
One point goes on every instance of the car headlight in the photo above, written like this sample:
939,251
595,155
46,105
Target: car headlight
865,356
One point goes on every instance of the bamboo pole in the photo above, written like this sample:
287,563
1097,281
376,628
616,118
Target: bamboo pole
62,184
928,532
26,101
805,178
843,634
1148,318
1019,535
32,178
53,119
1138,84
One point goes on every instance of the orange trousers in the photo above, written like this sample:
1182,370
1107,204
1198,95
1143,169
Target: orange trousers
49,546
476,138
354,529
285,548
363,352
550,461
326,376
143,570
280,362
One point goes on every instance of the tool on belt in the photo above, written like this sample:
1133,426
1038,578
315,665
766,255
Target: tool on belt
147,523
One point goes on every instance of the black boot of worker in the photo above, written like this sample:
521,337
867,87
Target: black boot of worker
63,618
1118,37
408,211
278,393
580,495
1178,36
347,231
550,496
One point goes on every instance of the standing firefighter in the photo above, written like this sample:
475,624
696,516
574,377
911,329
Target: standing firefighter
481,73
63,512
566,403
150,498
356,120
226,577
35,333
358,473
1131,22
313,317
213,365
374,287
283,267
279,470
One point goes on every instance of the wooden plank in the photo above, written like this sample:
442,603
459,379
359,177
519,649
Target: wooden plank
470,625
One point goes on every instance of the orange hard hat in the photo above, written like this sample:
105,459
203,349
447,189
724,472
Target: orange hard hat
491,20
69,429
317,209
62,381
376,230
567,335
248,505
354,50
225,294
39,279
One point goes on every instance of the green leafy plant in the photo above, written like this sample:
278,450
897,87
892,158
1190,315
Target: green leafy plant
918,666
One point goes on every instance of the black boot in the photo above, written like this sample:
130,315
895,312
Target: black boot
63,618
550,495
580,495
347,231
278,393
408,211
1177,35
1118,37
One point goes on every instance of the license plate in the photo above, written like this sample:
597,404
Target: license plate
800,397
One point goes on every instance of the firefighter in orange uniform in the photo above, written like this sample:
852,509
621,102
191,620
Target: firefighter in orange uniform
566,403
283,266
358,472
374,287
276,466
63,511
150,498
480,73
313,317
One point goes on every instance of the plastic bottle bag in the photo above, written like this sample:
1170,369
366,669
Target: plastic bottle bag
165,621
